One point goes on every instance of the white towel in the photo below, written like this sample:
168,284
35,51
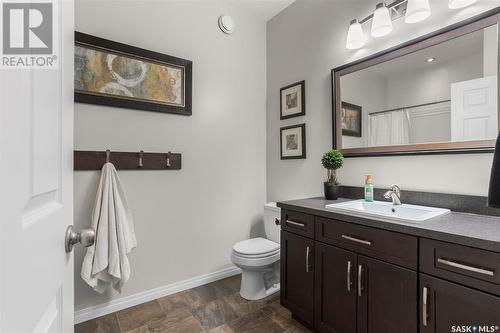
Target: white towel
106,262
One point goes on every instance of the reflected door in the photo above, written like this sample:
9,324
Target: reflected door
474,111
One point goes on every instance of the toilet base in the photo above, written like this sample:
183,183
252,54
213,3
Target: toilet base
258,284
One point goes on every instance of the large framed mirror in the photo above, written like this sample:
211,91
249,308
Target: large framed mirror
437,94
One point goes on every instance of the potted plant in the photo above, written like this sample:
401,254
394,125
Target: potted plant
332,160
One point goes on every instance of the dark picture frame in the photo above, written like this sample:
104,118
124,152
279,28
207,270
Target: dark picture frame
357,110
120,49
296,97
298,142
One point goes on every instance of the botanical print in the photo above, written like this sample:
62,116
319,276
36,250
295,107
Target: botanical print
100,72
291,100
292,142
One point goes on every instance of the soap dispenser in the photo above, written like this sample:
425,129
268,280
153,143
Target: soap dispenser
368,188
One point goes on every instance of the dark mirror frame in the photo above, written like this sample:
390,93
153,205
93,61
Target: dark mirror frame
478,22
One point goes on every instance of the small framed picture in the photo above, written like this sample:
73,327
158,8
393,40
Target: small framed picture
293,142
351,119
293,100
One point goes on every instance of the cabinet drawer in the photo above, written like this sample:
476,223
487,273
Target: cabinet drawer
298,223
385,245
466,265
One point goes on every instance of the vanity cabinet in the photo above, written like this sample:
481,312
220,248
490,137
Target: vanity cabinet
444,305
355,293
335,292
387,297
342,277
297,275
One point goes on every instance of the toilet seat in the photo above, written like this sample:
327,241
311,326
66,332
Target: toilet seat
256,256
256,248
255,252
254,262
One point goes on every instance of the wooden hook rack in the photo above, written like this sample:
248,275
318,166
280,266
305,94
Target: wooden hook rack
94,160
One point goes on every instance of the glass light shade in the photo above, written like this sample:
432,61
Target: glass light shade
355,36
455,4
382,23
417,10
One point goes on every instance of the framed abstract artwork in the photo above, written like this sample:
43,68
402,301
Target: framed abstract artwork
293,100
293,142
351,119
115,74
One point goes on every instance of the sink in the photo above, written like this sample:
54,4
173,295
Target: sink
386,211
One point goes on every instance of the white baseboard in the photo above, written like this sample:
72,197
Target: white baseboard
149,295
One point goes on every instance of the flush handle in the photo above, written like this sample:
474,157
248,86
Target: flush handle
86,237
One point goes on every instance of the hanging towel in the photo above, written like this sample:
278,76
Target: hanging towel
106,262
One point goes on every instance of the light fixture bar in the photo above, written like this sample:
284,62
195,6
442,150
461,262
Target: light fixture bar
392,6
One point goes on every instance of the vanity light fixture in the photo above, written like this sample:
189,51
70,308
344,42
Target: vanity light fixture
417,10
413,11
456,4
355,36
430,59
382,22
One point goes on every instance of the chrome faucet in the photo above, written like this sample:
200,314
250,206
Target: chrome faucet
394,194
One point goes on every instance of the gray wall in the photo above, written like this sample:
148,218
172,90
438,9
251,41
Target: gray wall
307,40
432,84
186,221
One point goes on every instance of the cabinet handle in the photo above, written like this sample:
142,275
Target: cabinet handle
425,296
360,284
357,240
349,283
298,224
308,252
465,267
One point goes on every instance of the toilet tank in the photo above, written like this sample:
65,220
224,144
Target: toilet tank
271,213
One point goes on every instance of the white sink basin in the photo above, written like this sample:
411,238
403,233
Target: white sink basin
386,211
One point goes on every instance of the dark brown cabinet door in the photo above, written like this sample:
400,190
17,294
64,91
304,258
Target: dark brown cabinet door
449,307
297,276
335,289
387,297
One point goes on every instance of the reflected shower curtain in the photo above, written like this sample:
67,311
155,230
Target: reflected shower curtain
389,128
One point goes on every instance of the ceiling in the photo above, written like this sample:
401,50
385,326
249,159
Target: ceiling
265,9
454,49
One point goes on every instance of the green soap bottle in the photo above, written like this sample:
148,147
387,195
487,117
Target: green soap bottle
368,188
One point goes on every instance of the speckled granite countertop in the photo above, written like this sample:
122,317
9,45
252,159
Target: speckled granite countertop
480,231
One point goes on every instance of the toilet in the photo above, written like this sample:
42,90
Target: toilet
259,258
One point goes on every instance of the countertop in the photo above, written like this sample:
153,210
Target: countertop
480,231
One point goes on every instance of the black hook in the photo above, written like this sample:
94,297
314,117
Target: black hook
108,152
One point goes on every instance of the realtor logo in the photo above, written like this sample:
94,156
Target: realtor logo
28,34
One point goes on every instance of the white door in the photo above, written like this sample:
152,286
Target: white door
474,110
36,191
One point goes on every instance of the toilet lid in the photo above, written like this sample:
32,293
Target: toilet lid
256,246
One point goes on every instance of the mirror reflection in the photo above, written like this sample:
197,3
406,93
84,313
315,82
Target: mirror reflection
444,93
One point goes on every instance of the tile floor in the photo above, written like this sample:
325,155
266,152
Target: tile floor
215,308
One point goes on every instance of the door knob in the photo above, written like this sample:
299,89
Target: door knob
85,237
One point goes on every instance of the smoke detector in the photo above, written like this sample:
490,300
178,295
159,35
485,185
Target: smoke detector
226,24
